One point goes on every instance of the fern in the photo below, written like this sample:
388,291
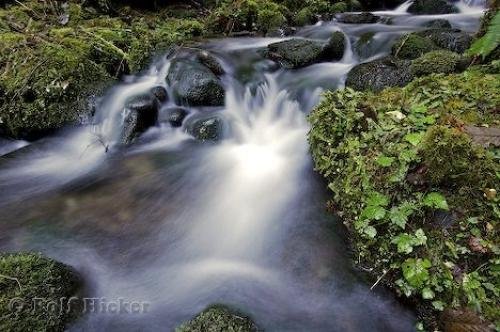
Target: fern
490,41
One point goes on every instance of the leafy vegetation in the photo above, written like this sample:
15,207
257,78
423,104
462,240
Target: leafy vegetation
218,318
416,190
485,45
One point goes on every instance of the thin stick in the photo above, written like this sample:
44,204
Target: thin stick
379,279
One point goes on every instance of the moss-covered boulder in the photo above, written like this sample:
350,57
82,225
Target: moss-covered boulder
379,74
219,319
336,45
194,84
453,40
362,18
438,24
412,46
432,7
49,67
438,62
35,293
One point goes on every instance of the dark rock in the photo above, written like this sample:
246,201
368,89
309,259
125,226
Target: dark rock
282,32
160,93
209,61
451,39
412,46
379,74
194,84
209,129
438,24
364,45
363,18
175,116
432,7
219,318
140,114
336,46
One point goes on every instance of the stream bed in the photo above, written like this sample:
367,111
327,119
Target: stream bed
180,224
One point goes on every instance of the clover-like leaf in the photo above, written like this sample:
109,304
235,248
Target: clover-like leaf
414,138
436,201
416,271
385,161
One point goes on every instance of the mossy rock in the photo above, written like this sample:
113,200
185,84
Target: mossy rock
31,289
439,24
362,18
336,45
432,7
379,74
219,319
438,62
412,46
450,39
296,53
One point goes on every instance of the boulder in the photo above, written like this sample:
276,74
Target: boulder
364,45
160,93
176,115
380,74
451,39
432,7
439,62
363,18
297,53
438,24
209,61
219,318
208,129
412,46
194,84
30,283
141,112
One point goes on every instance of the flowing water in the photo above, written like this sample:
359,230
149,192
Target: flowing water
181,224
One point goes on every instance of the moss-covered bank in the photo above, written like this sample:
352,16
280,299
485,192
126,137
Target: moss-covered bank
414,173
218,318
35,293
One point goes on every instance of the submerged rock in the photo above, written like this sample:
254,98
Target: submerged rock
209,129
31,289
218,319
432,7
176,115
140,114
209,61
160,93
438,24
194,84
297,53
363,18
379,74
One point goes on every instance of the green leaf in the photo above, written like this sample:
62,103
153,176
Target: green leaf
385,161
377,199
373,213
436,201
370,231
415,271
490,41
438,305
404,243
420,238
427,294
399,215
414,138
419,109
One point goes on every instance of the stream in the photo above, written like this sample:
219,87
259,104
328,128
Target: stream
179,224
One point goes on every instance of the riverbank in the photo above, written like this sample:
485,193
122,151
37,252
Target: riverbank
414,173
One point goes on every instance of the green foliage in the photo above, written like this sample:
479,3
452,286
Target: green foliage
408,182
412,46
490,41
34,281
218,318
439,62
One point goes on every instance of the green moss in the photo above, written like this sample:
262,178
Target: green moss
412,46
410,185
439,62
31,289
218,319
48,71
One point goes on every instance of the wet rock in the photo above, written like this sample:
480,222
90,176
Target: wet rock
209,61
364,46
219,318
437,62
140,114
37,281
438,24
336,46
209,129
194,84
380,74
160,93
432,7
175,116
412,46
282,32
363,18
451,39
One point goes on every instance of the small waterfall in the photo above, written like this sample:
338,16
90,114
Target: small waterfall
403,8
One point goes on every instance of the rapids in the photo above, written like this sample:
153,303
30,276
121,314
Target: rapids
180,224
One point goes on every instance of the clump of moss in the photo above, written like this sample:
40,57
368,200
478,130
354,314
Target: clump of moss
438,62
412,46
54,56
35,293
218,318
416,192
